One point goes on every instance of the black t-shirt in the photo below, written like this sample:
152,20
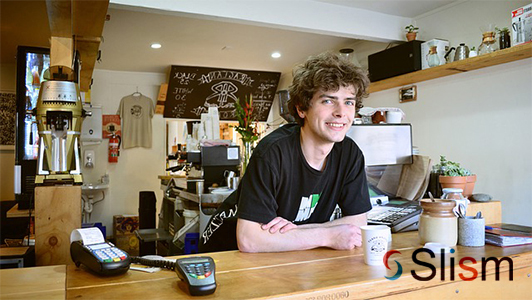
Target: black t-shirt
280,182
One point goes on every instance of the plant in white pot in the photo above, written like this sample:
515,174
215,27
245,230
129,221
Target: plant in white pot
452,175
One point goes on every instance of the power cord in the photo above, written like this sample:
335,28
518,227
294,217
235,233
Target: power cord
170,265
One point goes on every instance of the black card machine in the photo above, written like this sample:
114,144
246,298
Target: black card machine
198,274
99,256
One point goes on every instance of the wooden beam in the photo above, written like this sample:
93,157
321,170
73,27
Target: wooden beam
82,21
61,51
89,17
60,18
88,51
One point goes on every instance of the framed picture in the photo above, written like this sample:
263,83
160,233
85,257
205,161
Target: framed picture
408,93
8,110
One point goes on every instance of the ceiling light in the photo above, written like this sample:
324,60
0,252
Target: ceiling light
276,54
156,45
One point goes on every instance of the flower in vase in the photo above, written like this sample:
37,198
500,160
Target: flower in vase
247,128
247,123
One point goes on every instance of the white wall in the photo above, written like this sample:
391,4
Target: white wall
481,118
137,168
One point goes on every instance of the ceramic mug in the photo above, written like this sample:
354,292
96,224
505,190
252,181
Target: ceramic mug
394,117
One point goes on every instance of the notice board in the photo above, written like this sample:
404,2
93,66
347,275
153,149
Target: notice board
192,90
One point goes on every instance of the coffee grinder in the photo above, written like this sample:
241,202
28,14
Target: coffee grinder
59,114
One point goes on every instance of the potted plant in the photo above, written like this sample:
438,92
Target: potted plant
473,52
411,32
452,175
504,37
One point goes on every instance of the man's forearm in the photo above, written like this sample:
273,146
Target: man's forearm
252,238
358,220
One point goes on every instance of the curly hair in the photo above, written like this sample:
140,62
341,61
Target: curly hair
327,72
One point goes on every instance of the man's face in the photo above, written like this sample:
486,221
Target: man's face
330,115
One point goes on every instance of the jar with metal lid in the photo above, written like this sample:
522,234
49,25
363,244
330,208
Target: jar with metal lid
452,194
437,222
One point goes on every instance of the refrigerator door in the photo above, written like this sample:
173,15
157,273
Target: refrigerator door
31,64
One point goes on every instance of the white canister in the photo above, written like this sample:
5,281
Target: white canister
394,117
438,223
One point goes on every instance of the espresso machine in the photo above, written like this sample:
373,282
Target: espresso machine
59,114
213,163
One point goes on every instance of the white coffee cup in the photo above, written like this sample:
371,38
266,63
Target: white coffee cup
375,242
394,117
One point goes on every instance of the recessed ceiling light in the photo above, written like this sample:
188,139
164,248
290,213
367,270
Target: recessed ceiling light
276,54
156,45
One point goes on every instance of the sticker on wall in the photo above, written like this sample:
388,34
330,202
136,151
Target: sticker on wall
110,125
407,94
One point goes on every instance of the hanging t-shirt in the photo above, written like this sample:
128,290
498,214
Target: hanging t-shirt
136,113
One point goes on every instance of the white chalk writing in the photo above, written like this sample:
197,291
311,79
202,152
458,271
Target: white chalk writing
243,78
222,91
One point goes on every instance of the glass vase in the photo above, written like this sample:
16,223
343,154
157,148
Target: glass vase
246,155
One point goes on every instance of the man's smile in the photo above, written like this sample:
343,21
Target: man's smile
335,125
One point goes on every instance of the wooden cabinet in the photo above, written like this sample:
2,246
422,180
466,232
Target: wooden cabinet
487,60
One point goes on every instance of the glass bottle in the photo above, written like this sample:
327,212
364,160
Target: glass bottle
438,223
504,39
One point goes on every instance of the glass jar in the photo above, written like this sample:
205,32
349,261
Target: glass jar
488,44
438,223
433,59
452,194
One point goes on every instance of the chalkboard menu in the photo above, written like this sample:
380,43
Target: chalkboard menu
192,90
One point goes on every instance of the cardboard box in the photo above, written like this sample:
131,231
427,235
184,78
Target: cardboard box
442,46
128,243
125,225
161,98
522,25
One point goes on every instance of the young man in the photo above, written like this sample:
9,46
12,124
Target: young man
300,173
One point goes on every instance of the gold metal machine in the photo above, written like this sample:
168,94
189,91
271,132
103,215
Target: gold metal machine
59,114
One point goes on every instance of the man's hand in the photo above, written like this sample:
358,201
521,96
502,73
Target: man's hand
278,224
345,237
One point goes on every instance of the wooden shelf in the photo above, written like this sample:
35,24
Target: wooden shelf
14,212
473,63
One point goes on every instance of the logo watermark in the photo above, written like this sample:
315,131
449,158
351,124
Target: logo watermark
471,274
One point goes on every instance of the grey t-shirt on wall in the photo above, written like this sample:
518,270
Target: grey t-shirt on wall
136,113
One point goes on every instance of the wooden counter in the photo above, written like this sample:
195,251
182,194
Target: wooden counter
33,283
324,274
